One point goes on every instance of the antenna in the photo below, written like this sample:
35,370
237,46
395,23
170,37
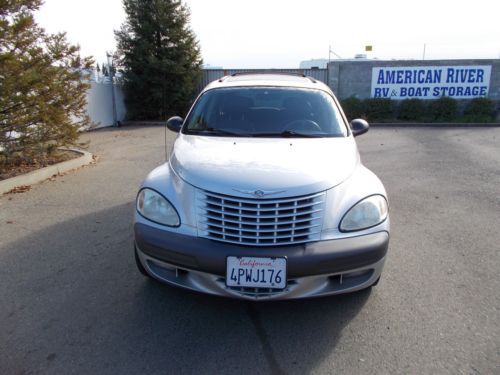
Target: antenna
330,52
165,119
165,141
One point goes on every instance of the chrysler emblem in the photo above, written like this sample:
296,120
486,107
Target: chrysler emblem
259,193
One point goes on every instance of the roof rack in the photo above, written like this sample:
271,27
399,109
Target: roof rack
269,72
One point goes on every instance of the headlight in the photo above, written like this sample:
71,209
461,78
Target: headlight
367,213
153,206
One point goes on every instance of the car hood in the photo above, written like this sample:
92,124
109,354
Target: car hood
278,167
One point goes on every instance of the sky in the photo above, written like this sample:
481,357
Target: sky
282,33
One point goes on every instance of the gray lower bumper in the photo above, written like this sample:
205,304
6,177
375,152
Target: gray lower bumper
316,258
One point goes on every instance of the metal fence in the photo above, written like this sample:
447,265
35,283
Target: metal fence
100,103
210,75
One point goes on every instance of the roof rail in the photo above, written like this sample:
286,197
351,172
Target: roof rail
269,72
222,79
274,72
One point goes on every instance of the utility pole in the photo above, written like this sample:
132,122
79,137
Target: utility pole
423,54
112,77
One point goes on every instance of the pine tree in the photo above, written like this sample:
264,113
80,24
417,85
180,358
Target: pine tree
42,91
160,58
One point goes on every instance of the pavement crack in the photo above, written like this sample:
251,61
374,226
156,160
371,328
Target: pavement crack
262,335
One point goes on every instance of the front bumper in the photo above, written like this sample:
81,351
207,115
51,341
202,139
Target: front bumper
313,269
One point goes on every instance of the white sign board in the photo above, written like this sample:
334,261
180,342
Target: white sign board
430,82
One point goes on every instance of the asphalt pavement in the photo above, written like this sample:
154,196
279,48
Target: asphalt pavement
72,302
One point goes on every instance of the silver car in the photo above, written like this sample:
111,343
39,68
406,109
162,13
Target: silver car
264,196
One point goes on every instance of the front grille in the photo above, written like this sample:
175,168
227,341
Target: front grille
260,222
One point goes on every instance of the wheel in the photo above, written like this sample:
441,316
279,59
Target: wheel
139,265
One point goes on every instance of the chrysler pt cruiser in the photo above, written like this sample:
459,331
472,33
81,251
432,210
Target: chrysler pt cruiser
264,196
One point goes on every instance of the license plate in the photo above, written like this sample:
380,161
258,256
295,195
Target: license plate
256,272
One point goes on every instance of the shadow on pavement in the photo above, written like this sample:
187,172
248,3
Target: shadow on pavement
72,301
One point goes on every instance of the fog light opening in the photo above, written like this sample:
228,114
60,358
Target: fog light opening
357,273
357,276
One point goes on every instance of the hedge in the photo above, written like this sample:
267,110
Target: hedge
480,110
379,109
353,108
444,109
412,110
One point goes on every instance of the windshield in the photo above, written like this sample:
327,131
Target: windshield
265,112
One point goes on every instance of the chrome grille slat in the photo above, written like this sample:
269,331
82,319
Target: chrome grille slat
253,223
229,213
261,201
227,234
260,222
263,244
245,208
260,230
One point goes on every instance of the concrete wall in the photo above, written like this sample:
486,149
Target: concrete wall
354,77
100,105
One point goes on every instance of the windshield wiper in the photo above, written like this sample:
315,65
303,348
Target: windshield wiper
215,131
290,134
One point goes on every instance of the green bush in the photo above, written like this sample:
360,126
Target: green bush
353,108
480,110
412,110
443,109
379,109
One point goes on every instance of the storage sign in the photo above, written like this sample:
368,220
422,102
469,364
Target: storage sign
431,82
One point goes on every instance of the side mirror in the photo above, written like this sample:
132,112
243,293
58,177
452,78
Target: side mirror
359,126
175,123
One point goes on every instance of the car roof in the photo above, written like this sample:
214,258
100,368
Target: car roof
268,79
